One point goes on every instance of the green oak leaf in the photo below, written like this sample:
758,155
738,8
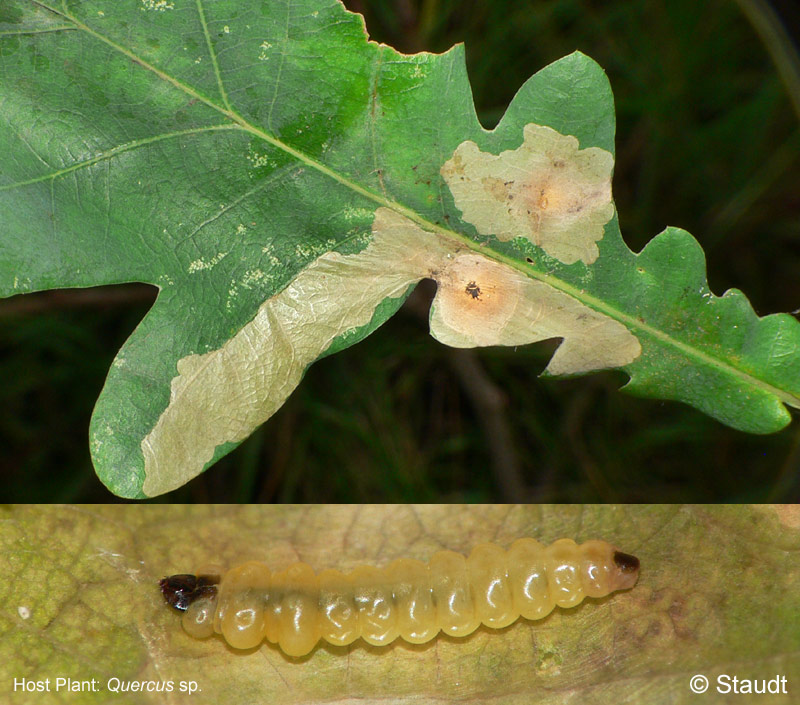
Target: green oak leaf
286,183
717,594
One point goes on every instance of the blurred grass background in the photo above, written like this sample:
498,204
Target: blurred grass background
708,139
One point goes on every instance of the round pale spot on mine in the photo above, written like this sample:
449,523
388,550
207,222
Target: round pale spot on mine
477,297
557,196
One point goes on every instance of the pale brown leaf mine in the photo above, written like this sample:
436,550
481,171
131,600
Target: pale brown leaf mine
547,190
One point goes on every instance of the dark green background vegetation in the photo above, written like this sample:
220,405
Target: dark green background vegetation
708,139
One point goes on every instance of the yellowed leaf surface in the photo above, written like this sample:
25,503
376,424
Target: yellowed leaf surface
717,594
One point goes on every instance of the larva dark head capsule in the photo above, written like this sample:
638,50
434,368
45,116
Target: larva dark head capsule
182,590
626,570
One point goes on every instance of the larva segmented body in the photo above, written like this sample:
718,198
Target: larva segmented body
295,608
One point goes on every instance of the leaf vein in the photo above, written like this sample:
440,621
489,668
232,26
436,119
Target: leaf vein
631,321
114,151
17,32
223,93
280,69
278,173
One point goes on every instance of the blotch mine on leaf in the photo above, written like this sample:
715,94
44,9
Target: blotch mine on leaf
222,395
548,191
515,310
476,296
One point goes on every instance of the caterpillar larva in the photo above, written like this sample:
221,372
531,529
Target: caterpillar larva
295,608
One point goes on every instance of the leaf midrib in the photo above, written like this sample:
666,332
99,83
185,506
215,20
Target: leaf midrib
631,322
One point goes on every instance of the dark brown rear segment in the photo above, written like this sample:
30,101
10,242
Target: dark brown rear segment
180,591
626,562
